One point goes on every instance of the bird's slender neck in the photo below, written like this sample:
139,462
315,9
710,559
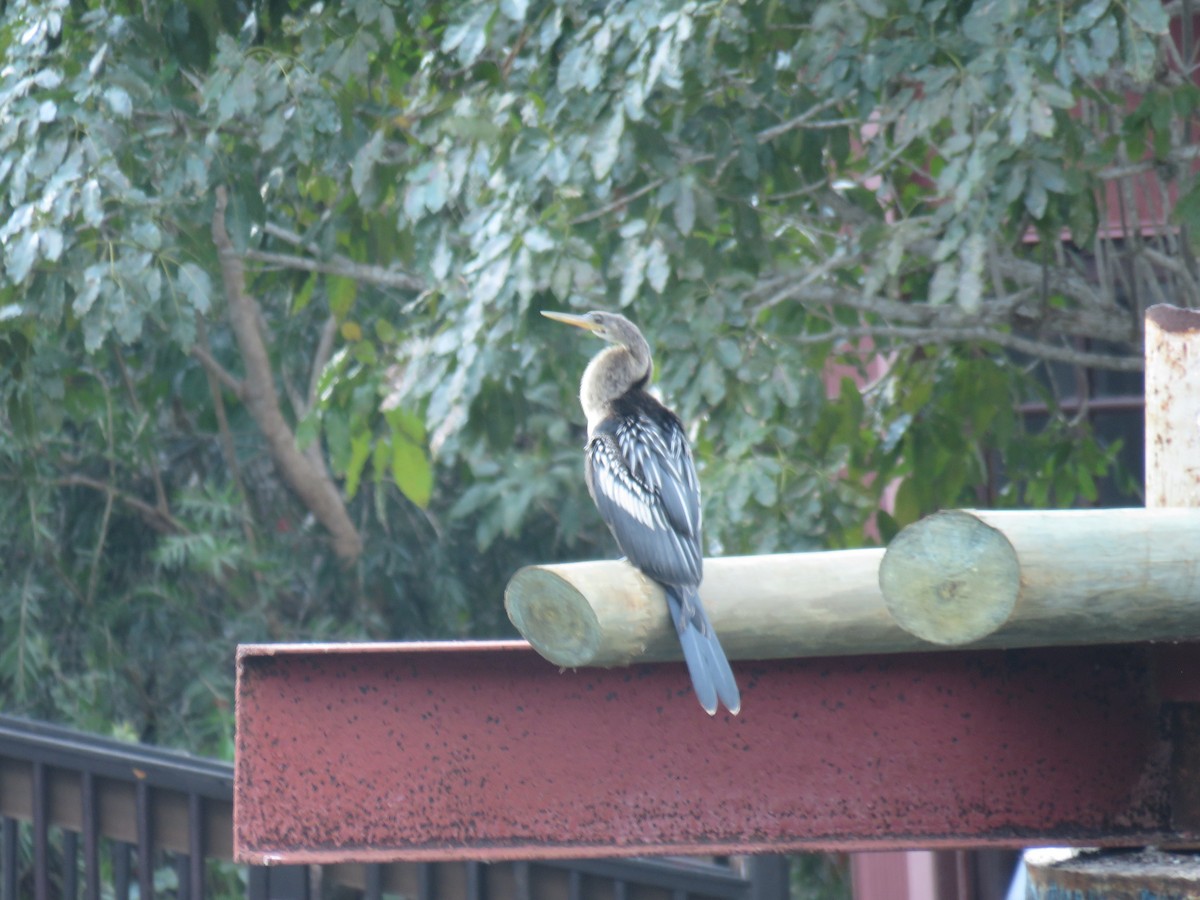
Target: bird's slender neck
612,373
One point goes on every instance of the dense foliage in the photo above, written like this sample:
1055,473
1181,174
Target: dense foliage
270,364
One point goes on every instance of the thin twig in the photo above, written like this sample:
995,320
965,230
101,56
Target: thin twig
338,265
320,359
621,202
804,120
156,518
225,433
1040,349
217,370
160,494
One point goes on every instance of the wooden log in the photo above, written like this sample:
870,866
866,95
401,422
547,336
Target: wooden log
1035,578
763,607
1172,407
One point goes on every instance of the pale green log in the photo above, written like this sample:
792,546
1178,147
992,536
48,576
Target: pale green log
1017,578
763,607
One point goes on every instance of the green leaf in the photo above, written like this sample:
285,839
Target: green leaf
363,164
633,273
21,255
514,9
193,282
1086,16
468,39
304,295
307,429
1150,15
342,293
1138,51
606,145
876,9
983,24
118,101
360,452
412,471
1035,198
93,213
405,425
1187,210
969,295
684,209
658,266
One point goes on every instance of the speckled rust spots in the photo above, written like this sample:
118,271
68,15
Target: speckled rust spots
1172,407
487,752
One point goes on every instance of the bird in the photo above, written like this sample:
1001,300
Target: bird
639,470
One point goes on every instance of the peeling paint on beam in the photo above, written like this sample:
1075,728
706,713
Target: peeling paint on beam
376,752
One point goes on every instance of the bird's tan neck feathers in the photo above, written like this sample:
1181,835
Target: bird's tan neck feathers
610,375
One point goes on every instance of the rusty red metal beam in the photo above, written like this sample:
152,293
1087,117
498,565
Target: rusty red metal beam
485,751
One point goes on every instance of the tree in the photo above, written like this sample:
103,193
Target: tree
271,365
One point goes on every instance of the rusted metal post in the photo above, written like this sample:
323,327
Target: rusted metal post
1172,407
1173,480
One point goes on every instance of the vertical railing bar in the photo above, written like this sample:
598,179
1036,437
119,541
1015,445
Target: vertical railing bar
256,884
373,881
620,889
476,889
575,885
120,855
70,854
426,881
523,888
41,834
9,864
145,842
183,868
196,846
91,836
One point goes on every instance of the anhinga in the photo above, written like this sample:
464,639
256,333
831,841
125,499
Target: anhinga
640,474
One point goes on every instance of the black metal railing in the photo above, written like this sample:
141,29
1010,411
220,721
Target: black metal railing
91,816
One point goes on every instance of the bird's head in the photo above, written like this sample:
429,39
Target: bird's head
612,327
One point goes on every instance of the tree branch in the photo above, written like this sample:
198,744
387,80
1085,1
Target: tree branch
1017,307
806,119
156,518
224,432
216,370
320,359
338,265
316,490
1179,155
931,335
621,202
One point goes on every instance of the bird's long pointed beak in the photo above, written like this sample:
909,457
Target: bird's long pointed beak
571,319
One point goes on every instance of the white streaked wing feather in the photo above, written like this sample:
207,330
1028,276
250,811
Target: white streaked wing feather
615,483
662,460
652,531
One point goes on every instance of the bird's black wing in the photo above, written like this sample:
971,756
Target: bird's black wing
641,476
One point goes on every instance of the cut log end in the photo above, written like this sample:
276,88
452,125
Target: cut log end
553,615
950,579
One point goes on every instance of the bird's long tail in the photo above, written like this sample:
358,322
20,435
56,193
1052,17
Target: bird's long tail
712,678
